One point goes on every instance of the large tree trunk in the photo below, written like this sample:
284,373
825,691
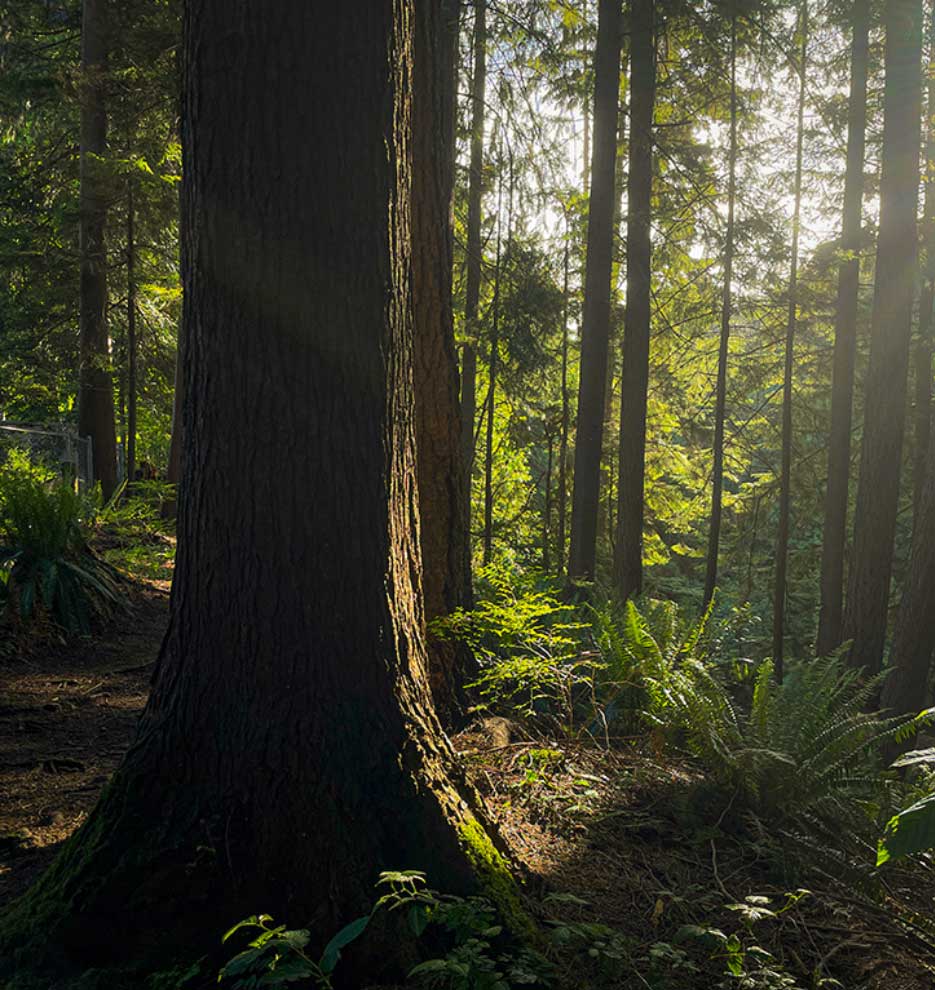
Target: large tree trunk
473,271
785,477
438,427
834,533
720,396
628,549
595,331
95,386
922,413
289,750
885,401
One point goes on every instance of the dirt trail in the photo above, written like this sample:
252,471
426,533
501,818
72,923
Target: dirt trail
67,714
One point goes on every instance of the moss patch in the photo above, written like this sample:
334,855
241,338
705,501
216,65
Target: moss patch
497,881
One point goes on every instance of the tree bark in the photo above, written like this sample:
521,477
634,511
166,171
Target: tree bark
720,398
438,427
563,438
785,478
473,272
492,363
95,386
834,533
922,414
628,550
885,401
131,338
289,750
595,330
547,514
906,688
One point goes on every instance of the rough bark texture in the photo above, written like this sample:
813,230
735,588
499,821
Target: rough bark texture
885,401
95,386
906,688
438,426
473,269
131,337
785,477
289,751
922,413
834,533
628,549
566,418
720,396
595,329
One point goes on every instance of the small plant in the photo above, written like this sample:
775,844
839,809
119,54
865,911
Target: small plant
807,753
277,955
44,557
528,645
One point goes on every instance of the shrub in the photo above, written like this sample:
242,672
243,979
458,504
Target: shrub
806,753
44,557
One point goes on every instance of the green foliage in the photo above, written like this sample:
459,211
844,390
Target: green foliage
640,652
528,645
45,561
480,954
807,750
276,955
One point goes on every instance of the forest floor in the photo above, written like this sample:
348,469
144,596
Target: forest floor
657,891
67,714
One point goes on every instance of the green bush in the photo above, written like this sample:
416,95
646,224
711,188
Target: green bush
44,557
806,752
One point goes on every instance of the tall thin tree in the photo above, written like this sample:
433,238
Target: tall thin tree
95,385
922,413
438,429
865,617
473,271
132,346
628,548
720,397
834,531
595,330
566,414
785,477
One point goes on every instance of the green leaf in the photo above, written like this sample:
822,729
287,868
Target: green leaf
911,831
332,953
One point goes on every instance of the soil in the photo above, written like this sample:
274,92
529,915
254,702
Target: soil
67,714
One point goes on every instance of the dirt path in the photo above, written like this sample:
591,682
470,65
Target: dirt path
67,715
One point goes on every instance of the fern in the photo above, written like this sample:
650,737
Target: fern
806,755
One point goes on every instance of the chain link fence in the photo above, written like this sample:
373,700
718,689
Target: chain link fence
57,447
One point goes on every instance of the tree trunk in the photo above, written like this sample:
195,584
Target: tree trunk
491,400
563,438
131,338
289,750
924,346
547,515
720,398
785,478
834,533
173,466
885,401
906,688
473,273
595,329
628,551
95,386
438,427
